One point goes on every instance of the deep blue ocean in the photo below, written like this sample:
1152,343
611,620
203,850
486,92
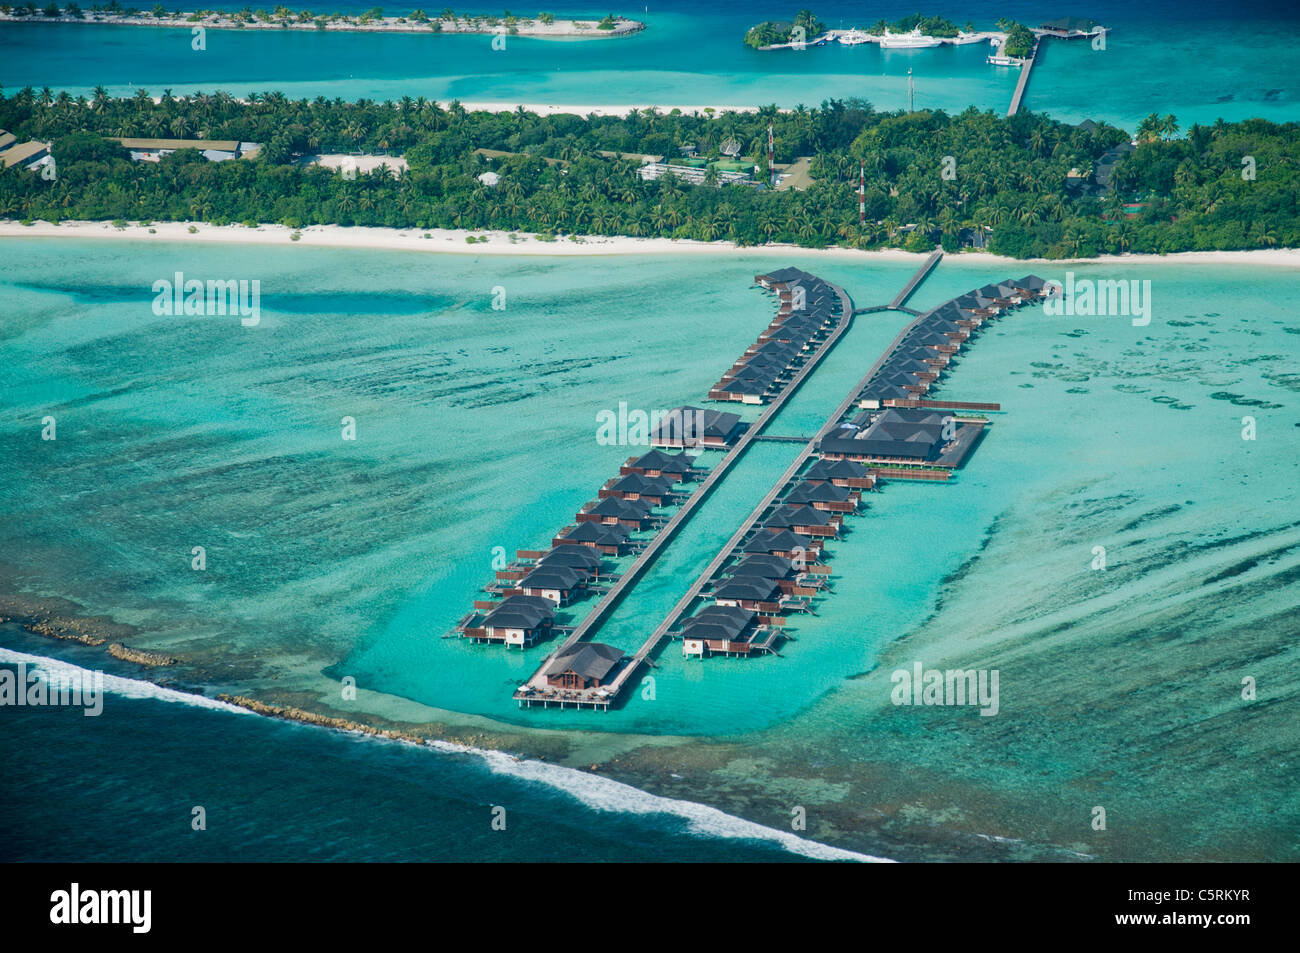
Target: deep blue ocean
123,786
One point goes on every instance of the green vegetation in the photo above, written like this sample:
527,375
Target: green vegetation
930,26
284,16
1020,39
1189,193
772,32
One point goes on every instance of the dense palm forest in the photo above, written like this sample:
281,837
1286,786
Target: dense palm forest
1009,175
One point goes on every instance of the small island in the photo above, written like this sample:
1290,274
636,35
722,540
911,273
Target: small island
544,25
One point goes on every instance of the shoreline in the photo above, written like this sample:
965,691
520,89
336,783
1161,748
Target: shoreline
531,28
452,241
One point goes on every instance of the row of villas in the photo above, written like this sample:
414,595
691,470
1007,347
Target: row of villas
782,562
538,583
778,566
899,430
808,312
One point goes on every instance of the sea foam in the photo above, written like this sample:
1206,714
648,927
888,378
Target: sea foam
594,792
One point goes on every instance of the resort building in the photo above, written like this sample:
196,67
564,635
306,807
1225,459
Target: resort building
725,630
903,437
825,496
695,427
518,620
610,539
29,155
803,519
634,514
575,557
677,467
586,665
782,542
654,490
749,592
214,150
557,584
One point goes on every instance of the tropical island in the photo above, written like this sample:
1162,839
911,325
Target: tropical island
1025,186
281,18
773,33
929,26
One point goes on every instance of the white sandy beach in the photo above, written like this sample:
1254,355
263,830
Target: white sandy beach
500,243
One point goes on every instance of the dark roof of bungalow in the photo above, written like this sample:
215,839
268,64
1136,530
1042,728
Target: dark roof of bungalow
599,533
716,423
1030,282
752,588
835,470
777,540
786,275
764,564
520,612
794,514
718,622
636,483
817,493
612,506
668,462
552,577
571,556
590,660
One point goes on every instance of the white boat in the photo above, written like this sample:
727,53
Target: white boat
854,37
962,38
915,40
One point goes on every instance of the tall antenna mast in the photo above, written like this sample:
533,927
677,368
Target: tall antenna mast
862,195
771,153
911,88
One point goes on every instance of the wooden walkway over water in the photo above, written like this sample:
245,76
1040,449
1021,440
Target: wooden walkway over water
610,693
915,281
756,514
1023,82
616,592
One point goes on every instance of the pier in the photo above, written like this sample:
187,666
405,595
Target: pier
915,282
611,598
1023,82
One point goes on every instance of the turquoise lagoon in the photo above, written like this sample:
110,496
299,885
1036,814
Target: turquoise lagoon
1233,63
476,429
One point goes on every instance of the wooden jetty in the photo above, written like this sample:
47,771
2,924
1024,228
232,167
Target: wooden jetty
915,281
1023,82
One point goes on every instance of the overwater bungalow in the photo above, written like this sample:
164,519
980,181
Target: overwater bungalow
1031,287
612,540
634,514
742,391
678,467
782,542
558,584
781,276
805,520
655,490
844,473
696,427
1001,295
575,557
725,630
518,620
584,666
793,580
750,592
904,437
825,496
